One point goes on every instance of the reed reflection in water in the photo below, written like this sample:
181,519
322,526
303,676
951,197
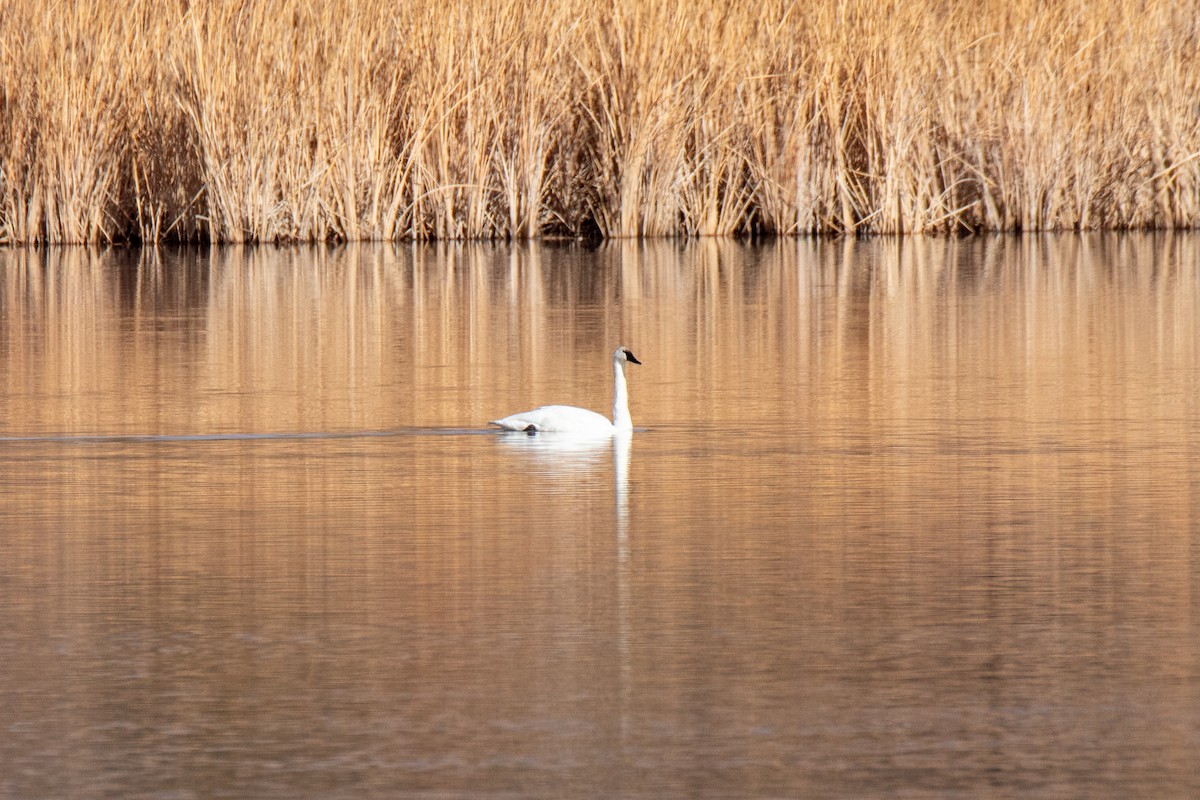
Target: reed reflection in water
901,518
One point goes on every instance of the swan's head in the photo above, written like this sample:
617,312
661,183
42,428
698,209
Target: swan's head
624,354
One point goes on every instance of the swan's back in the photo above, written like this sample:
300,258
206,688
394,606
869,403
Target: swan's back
557,419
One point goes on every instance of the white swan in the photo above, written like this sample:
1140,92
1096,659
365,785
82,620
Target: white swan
580,421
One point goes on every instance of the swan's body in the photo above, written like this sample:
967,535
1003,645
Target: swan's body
580,421
557,419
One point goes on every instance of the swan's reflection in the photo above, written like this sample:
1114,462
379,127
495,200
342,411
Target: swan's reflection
561,452
622,444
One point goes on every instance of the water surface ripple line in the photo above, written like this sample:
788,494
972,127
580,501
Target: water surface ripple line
90,438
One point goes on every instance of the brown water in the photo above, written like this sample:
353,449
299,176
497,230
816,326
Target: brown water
900,520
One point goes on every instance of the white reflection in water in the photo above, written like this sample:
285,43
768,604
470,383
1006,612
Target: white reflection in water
558,453
573,458
622,445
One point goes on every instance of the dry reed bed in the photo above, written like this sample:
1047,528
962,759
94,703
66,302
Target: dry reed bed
360,119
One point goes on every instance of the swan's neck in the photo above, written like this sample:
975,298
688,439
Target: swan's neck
621,418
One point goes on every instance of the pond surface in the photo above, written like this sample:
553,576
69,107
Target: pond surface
900,519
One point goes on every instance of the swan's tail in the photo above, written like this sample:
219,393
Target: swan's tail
514,424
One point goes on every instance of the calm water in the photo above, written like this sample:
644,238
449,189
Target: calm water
900,520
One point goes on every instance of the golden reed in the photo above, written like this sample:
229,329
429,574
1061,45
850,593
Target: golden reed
320,120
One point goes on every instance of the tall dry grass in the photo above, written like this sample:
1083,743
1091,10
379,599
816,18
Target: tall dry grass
360,119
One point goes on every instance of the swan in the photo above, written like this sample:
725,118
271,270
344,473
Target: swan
580,421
